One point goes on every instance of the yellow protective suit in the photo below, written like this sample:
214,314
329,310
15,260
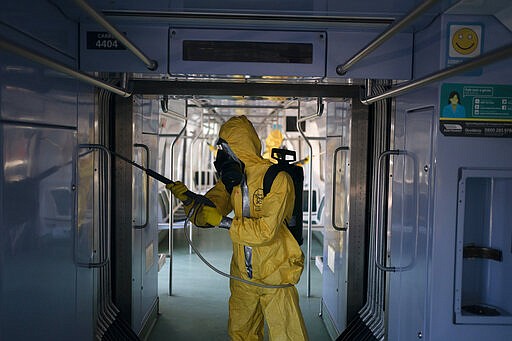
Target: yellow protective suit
275,256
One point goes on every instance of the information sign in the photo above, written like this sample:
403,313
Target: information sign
103,41
476,110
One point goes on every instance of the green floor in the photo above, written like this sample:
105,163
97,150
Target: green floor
198,306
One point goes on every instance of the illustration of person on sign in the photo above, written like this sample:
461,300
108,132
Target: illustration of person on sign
454,107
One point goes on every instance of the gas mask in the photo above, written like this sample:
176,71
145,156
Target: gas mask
229,167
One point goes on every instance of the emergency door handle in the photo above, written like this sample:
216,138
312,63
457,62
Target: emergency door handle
146,219
104,234
334,167
380,243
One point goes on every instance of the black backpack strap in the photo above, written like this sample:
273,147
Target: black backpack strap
269,177
297,174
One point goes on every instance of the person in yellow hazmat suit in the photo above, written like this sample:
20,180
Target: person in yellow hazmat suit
264,250
273,140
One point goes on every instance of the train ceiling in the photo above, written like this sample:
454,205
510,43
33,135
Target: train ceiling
351,8
305,13
316,12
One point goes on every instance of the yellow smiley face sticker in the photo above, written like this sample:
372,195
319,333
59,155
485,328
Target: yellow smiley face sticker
465,41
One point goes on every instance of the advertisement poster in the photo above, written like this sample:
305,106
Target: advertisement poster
476,110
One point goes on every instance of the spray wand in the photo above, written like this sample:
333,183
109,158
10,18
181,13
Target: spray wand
159,177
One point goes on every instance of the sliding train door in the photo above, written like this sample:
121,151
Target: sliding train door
134,214
345,218
145,229
408,224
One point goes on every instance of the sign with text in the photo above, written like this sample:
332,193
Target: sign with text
476,110
103,41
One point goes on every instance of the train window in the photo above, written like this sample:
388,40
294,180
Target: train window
320,209
62,199
305,201
207,178
243,51
291,124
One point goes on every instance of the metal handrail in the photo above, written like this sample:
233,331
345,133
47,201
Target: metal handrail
26,53
310,198
484,59
276,110
164,104
100,19
384,36
378,230
171,202
318,113
335,162
210,110
146,220
199,159
106,241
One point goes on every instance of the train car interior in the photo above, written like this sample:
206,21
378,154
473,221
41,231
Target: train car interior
398,114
